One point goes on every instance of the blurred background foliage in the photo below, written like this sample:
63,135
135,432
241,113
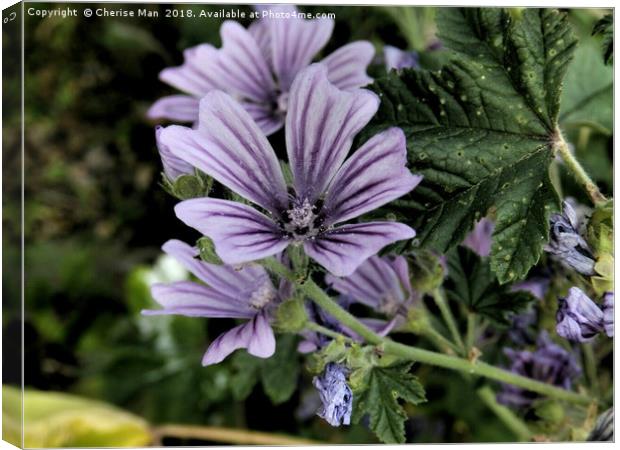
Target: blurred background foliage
95,217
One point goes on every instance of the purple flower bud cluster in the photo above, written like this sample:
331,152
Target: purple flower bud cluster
548,363
580,319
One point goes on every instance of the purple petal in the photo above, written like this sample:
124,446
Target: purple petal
344,248
373,176
294,43
372,282
320,126
398,59
259,30
346,67
479,240
240,65
239,232
192,77
237,283
180,108
230,147
173,167
191,299
264,116
401,268
256,335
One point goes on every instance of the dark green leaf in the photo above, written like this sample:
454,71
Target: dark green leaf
280,373
605,28
480,131
245,376
379,399
471,282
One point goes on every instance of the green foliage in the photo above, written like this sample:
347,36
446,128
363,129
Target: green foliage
605,28
379,399
53,419
278,374
481,129
588,91
471,282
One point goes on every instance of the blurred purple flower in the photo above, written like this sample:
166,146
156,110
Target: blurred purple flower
228,292
383,284
335,394
522,330
567,244
608,313
327,190
549,363
579,318
173,167
397,59
257,67
535,285
479,240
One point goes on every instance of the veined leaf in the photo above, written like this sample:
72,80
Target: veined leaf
379,399
481,130
605,28
588,91
471,282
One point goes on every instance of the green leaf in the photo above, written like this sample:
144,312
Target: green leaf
246,374
379,399
471,282
588,91
280,373
605,28
480,130
54,419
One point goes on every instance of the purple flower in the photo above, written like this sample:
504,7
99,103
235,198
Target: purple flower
327,190
173,167
549,363
335,394
398,59
479,240
579,318
535,285
383,284
230,292
608,313
257,67
567,244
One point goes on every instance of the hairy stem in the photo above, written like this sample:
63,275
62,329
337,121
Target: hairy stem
514,423
433,358
326,331
577,170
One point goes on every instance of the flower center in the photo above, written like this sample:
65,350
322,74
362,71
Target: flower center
304,220
389,304
263,295
282,103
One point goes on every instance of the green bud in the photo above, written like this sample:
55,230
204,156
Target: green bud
358,379
417,320
207,251
188,186
550,411
336,351
427,272
291,316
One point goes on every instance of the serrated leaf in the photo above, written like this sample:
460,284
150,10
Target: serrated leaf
480,130
588,91
379,399
605,28
471,282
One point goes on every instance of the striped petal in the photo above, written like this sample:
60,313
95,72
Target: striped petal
191,299
180,108
192,77
345,248
239,232
294,43
256,335
320,126
174,167
346,67
373,176
236,283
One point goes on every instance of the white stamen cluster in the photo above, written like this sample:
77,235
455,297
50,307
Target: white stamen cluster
263,295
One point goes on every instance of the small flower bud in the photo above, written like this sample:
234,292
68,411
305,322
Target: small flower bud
335,394
579,318
291,316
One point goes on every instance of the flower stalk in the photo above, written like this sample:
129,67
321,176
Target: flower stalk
577,170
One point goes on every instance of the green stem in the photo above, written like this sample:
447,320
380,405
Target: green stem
577,170
440,341
433,358
326,331
589,362
448,318
470,336
514,423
